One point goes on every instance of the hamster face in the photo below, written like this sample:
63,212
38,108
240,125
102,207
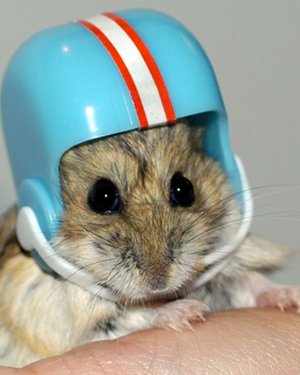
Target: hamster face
141,210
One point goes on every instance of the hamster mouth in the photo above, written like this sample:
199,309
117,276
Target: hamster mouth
143,288
161,295
146,296
153,300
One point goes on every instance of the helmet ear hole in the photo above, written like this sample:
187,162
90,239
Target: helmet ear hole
216,144
34,193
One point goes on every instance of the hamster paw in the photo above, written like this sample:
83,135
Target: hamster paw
265,293
282,297
179,314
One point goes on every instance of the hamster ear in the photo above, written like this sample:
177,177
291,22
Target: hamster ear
257,253
196,136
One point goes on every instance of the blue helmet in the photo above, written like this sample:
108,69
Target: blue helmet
98,77
64,87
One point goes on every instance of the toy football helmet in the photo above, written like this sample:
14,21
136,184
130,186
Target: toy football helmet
98,77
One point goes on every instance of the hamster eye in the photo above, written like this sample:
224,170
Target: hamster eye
103,198
182,191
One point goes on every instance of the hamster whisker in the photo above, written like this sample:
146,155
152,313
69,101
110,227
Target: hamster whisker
208,232
88,231
208,210
254,189
96,262
285,216
216,227
282,188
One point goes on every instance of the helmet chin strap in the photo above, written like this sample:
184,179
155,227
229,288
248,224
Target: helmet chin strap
220,257
31,237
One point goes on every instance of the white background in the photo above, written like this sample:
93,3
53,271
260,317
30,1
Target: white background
254,48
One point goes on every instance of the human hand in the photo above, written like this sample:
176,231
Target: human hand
249,341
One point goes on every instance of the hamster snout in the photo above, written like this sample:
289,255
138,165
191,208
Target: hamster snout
142,208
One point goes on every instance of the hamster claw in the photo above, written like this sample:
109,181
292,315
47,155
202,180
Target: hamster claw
180,314
284,298
265,293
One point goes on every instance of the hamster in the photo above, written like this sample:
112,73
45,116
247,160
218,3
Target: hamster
141,210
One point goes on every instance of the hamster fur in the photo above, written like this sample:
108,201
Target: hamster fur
148,250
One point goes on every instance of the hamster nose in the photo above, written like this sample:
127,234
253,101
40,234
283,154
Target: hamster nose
158,283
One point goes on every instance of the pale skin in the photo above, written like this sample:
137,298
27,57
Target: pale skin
248,341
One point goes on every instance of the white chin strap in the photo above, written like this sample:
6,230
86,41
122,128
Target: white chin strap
31,237
219,258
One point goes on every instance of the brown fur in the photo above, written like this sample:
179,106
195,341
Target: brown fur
8,247
148,244
141,164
